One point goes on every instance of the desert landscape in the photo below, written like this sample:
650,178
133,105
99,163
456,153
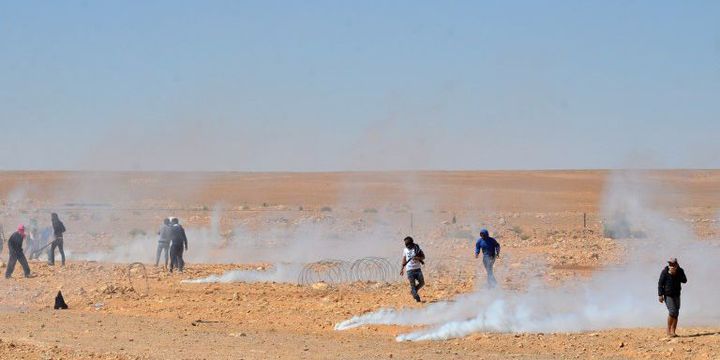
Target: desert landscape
306,265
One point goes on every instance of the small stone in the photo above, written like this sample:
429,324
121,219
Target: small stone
320,286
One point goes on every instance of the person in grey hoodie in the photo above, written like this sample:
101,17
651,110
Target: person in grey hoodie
163,242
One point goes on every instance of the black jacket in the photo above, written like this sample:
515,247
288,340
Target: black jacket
670,285
15,243
177,236
58,228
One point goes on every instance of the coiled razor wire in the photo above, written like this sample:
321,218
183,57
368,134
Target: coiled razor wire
374,269
329,271
334,272
378,269
144,275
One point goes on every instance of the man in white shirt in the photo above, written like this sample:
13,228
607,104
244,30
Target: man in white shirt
413,259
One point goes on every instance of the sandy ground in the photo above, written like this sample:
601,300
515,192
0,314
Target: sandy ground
548,223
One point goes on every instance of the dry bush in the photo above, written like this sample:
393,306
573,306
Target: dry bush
137,232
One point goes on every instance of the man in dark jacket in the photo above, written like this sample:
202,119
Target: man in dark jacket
177,241
163,242
16,253
58,230
491,250
669,286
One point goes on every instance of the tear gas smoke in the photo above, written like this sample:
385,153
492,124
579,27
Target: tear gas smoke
286,244
287,273
613,298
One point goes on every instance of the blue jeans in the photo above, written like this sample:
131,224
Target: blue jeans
176,258
488,262
417,281
160,248
673,305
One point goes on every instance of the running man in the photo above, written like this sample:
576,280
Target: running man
413,259
491,251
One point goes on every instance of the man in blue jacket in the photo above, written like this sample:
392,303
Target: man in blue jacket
491,251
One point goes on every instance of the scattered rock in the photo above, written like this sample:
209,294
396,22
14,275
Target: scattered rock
320,286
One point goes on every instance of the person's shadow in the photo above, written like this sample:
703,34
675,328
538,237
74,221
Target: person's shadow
700,334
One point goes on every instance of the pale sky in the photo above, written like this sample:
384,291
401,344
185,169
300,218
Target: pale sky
359,85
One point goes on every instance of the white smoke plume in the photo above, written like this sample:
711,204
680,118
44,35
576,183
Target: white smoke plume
288,241
287,273
289,248
615,297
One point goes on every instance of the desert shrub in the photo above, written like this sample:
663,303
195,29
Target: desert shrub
524,236
516,229
326,209
622,231
370,211
137,232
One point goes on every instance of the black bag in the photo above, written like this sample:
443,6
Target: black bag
419,254
60,302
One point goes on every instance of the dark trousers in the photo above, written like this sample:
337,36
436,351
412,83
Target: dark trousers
51,253
17,257
160,248
176,259
488,262
417,281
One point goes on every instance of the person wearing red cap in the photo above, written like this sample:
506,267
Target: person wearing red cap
16,253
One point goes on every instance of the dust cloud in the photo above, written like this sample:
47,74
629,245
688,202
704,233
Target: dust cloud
615,297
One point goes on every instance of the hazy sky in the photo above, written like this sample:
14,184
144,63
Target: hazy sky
341,85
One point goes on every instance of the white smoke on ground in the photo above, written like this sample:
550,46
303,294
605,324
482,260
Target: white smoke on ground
288,241
286,273
289,248
621,297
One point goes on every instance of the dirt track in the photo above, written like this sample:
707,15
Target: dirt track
537,216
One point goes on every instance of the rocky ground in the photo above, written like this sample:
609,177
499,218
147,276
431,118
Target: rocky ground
123,311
